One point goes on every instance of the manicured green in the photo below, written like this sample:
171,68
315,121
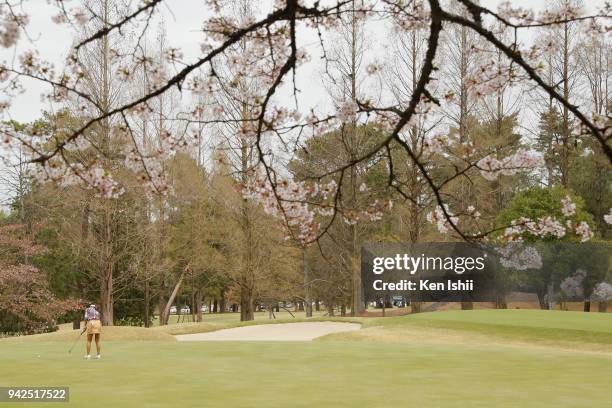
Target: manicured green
337,371
547,319
574,329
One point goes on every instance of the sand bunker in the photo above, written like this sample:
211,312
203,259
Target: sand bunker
273,332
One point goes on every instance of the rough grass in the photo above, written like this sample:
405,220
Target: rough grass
114,333
568,330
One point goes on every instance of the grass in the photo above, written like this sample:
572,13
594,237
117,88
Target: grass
576,330
115,333
447,359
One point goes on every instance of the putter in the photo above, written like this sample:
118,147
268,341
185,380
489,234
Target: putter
77,339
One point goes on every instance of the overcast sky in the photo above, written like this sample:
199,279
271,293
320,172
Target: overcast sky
183,21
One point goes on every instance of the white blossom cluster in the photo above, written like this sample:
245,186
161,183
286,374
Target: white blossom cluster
603,292
489,75
10,27
542,227
435,143
298,204
522,160
515,255
410,16
438,218
347,111
549,225
608,217
448,145
558,13
288,200
93,176
572,285
472,212
514,14
77,15
567,10
568,208
584,231
374,212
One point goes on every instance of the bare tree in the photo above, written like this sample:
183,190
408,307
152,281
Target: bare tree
345,73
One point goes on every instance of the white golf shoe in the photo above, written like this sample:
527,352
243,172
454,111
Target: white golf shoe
98,357
87,357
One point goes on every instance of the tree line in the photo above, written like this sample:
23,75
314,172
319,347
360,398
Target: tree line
146,185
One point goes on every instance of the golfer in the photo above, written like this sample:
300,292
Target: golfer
94,327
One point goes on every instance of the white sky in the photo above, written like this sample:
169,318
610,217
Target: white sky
183,18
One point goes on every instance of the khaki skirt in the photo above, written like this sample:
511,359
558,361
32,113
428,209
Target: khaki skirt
94,327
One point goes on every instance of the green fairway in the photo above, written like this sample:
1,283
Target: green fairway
575,330
542,319
446,368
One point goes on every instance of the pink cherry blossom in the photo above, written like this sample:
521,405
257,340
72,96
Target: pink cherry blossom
438,218
568,208
603,292
572,285
515,255
584,231
347,111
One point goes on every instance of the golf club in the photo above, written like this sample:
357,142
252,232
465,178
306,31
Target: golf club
75,341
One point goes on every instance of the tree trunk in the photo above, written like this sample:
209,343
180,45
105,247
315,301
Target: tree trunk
106,301
416,305
168,304
193,305
215,306
246,305
308,306
106,292
353,147
198,305
147,304
566,125
307,296
222,301
542,301
587,306
384,307
330,309
500,302
163,318
602,307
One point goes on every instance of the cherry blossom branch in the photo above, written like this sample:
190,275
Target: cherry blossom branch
516,56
